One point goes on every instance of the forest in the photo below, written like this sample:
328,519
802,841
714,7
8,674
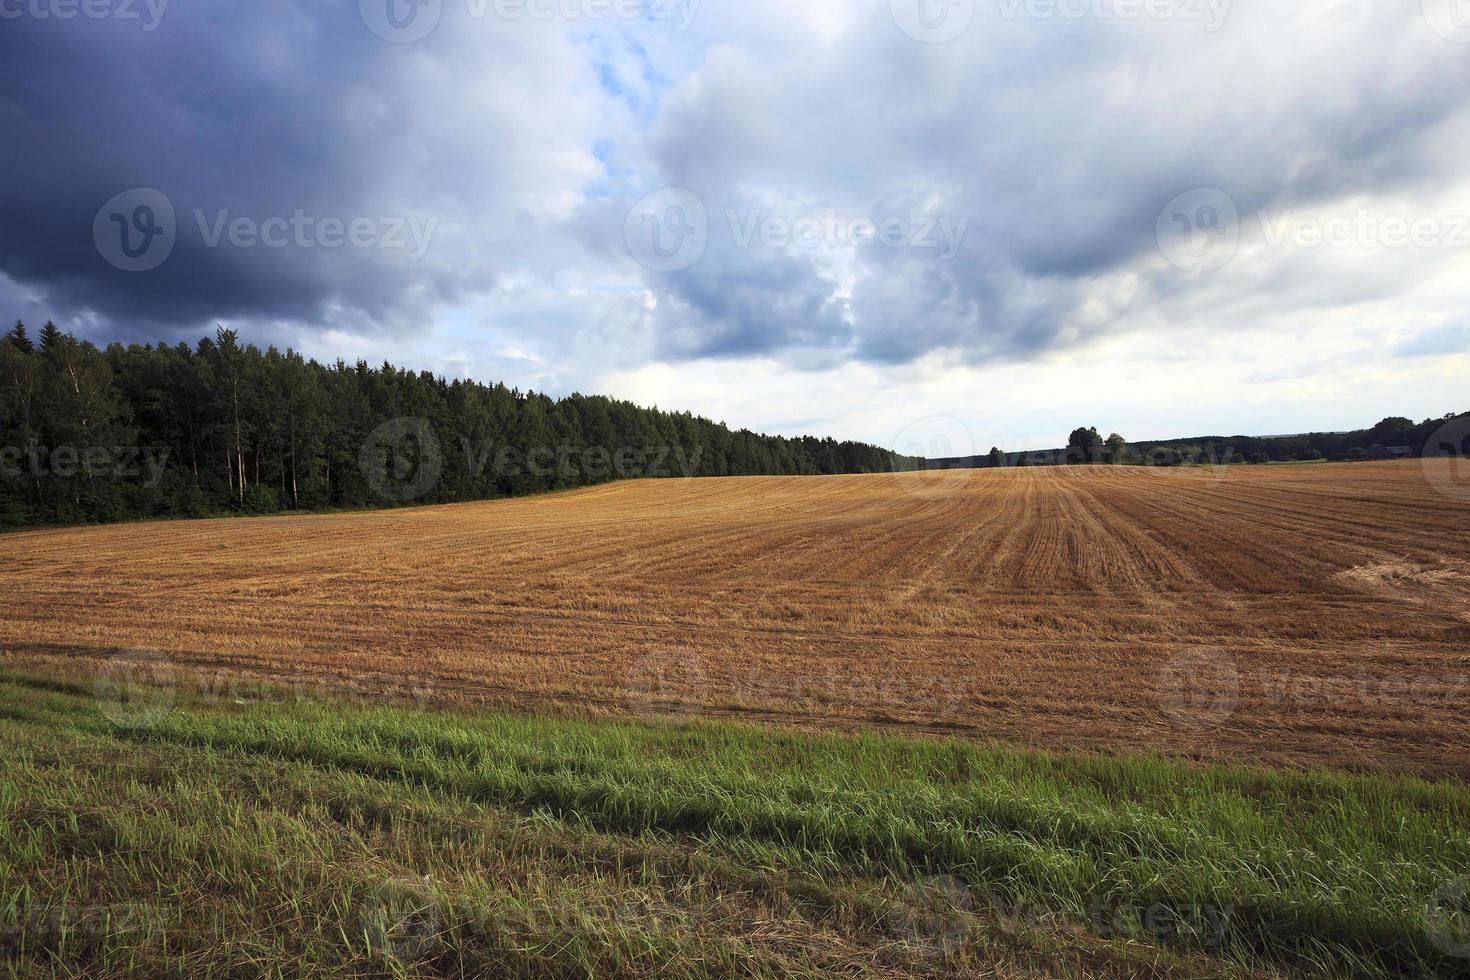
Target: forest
1390,438
222,427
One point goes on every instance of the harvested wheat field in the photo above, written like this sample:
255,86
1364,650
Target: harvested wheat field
1314,614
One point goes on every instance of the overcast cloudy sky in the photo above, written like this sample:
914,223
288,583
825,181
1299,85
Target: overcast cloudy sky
984,221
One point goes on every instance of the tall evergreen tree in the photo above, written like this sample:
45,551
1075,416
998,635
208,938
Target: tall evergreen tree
19,339
51,337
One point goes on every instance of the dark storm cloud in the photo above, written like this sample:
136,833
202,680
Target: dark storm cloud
281,110
198,109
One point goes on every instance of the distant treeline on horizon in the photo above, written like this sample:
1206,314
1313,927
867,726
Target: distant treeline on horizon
1394,437
142,431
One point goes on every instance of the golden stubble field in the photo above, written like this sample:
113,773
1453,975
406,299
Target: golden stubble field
1314,614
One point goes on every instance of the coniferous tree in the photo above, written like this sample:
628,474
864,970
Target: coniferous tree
51,336
19,339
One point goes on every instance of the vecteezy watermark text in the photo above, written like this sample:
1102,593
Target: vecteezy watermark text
1364,229
679,680
132,919
137,230
404,460
301,230
1195,924
941,21
670,230
141,688
148,12
71,462
1210,14
407,21
1202,230
1202,688
942,233
679,14
590,462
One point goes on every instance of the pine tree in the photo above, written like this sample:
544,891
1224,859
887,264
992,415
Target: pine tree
51,337
19,339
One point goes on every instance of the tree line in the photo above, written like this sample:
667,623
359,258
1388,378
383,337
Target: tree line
221,427
1373,442
1391,437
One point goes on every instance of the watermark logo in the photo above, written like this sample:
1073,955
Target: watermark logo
667,231
1199,231
401,460
1450,19
668,681
136,231
401,21
1447,459
135,689
1447,916
933,21
1200,688
926,443
936,437
403,918
935,915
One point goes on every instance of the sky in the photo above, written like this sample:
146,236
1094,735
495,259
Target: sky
934,225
